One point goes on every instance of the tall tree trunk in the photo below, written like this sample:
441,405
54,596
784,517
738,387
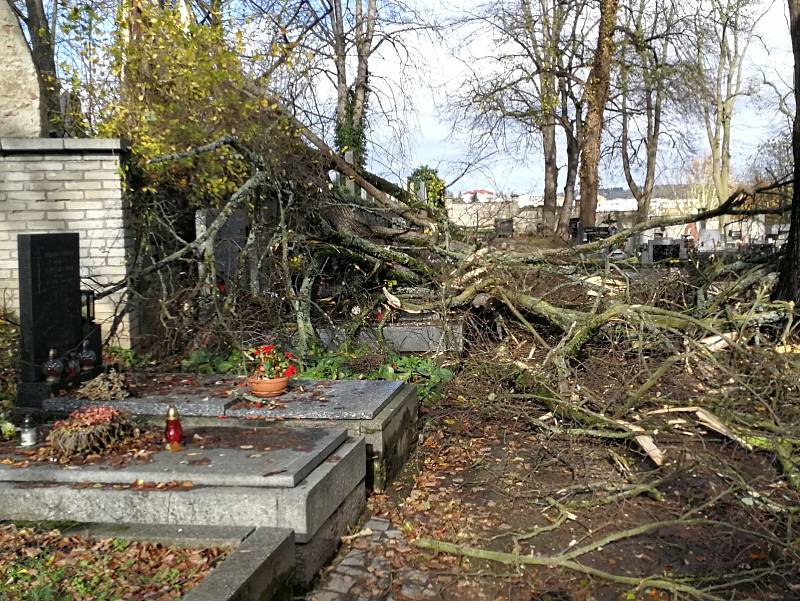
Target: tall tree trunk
788,287
44,58
550,175
573,159
596,99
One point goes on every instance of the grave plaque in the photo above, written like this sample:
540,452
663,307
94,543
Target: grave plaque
49,299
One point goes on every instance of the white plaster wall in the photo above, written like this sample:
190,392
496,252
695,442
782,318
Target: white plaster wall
20,102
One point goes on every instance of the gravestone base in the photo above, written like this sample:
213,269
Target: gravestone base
54,493
314,553
32,394
383,413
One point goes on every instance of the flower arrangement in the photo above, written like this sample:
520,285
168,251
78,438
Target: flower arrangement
268,362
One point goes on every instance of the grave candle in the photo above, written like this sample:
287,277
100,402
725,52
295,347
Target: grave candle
52,368
174,431
28,432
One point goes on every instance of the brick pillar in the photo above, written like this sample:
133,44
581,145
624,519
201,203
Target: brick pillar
69,185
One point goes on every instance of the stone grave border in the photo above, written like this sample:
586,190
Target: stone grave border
260,566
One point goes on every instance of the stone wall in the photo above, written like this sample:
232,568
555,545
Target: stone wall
479,214
20,105
68,185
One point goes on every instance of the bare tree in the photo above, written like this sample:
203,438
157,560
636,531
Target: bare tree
723,32
645,75
534,85
596,93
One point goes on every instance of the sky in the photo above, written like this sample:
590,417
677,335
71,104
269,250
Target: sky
432,141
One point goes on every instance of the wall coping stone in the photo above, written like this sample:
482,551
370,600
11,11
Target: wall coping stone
14,145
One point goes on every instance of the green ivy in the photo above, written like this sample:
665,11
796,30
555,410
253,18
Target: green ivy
205,361
423,372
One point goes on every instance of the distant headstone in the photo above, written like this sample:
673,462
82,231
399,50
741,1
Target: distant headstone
49,301
503,228
592,234
664,249
20,98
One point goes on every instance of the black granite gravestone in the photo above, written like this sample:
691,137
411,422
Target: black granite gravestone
49,306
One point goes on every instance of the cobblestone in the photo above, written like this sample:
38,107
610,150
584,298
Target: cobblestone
359,574
377,524
340,583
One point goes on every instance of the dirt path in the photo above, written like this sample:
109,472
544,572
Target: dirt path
481,479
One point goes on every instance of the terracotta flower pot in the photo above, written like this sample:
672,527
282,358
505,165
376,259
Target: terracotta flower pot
265,389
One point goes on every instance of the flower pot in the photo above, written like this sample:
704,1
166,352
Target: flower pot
265,389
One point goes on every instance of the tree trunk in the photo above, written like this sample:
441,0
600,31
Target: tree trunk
573,158
44,58
596,99
789,281
550,175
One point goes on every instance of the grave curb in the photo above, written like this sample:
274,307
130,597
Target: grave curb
260,568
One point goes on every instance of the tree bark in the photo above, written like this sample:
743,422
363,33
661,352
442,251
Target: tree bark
596,99
788,287
550,175
43,53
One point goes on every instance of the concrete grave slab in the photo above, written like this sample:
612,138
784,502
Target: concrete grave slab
303,508
326,400
259,466
384,412
150,405
389,435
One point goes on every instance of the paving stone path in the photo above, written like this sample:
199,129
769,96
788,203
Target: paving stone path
362,572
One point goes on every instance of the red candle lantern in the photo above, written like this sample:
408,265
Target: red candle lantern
174,431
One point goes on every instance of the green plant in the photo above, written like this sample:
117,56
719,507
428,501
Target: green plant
126,358
9,348
205,361
120,544
7,429
434,185
327,366
423,372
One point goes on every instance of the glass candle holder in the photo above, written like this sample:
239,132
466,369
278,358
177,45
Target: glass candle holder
173,433
53,368
29,436
87,357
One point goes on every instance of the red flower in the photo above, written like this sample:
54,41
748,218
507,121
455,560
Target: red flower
289,355
290,371
267,348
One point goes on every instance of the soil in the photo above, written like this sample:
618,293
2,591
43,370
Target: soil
482,478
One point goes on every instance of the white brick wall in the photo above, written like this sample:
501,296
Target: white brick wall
54,185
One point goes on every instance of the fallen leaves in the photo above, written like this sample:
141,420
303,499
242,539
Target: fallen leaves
46,564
